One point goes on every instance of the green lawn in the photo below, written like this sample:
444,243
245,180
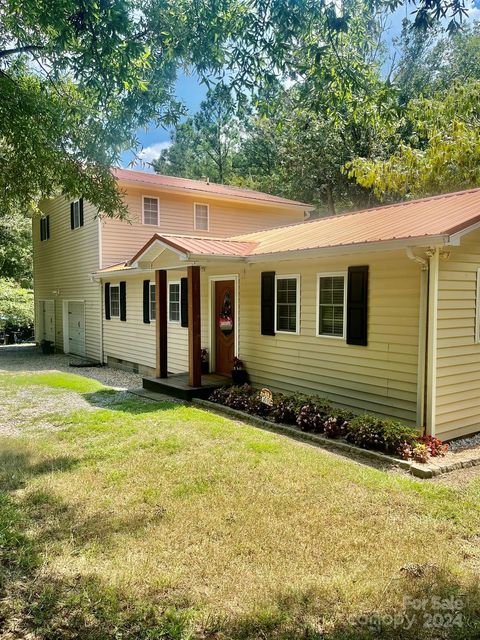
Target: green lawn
152,521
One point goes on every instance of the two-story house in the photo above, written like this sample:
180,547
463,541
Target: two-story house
376,310
72,243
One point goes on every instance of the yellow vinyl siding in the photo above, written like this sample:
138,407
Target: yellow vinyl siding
63,265
458,355
121,240
381,377
134,340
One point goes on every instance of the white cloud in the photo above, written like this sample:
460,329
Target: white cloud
147,154
474,11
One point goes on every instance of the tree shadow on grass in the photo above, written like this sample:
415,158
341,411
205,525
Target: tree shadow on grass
34,602
115,400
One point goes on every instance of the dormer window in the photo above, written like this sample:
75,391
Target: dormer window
201,217
151,211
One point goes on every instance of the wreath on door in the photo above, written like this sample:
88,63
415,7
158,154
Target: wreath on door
225,318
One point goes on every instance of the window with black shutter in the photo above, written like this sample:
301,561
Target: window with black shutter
107,301
45,228
123,301
146,301
76,214
267,303
357,306
184,302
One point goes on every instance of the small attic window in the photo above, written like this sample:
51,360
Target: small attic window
201,217
151,209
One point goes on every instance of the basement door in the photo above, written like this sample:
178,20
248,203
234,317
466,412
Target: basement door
224,326
76,328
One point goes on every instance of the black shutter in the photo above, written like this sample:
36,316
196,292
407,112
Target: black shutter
107,301
268,303
72,218
80,204
357,306
146,301
42,229
123,301
48,227
184,302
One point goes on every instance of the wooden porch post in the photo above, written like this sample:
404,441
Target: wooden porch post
194,329
161,323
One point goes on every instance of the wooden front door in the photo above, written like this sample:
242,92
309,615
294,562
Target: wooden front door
224,326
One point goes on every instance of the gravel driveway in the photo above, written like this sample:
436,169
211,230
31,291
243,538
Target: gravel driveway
28,358
31,409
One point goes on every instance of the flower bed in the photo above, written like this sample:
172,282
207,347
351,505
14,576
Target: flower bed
316,415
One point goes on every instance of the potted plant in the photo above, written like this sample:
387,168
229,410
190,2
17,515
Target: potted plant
239,374
205,362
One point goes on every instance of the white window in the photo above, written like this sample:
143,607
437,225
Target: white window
114,301
201,217
150,211
153,309
287,304
174,302
76,216
331,305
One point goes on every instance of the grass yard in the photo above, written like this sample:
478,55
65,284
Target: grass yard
143,520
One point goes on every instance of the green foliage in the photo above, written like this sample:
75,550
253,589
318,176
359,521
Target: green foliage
16,248
203,145
440,153
16,304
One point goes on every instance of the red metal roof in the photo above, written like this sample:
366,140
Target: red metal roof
428,218
203,187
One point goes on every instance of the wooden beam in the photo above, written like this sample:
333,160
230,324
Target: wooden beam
194,328
161,323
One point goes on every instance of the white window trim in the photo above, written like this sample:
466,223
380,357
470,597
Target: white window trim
317,314
297,303
151,284
149,224
477,309
202,204
114,286
179,302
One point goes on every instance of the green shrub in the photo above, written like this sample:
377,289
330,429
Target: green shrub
371,432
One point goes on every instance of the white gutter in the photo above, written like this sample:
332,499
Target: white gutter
422,335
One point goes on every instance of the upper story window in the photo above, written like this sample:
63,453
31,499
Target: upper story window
202,215
114,301
151,211
45,228
331,305
76,214
287,304
174,302
152,304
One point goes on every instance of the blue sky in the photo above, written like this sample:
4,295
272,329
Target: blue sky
191,92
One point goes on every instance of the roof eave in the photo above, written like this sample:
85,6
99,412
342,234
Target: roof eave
303,206
363,247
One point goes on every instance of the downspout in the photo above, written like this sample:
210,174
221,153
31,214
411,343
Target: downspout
422,338
431,391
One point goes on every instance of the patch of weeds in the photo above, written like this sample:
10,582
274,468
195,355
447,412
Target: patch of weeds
194,488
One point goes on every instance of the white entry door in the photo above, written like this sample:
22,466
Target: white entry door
47,320
76,328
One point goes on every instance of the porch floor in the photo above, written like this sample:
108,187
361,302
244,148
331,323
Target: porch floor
176,385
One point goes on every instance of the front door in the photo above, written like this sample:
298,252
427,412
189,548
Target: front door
224,326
